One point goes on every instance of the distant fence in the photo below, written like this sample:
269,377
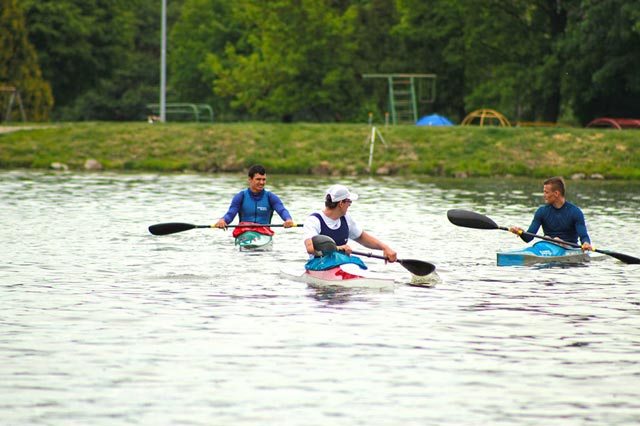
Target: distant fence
200,112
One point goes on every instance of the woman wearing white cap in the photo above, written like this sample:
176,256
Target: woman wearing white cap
335,222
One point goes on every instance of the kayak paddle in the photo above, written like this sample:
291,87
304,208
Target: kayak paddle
324,243
469,219
173,227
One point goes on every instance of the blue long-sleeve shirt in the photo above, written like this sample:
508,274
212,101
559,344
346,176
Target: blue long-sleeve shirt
566,223
273,200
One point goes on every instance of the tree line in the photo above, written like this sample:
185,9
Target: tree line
304,60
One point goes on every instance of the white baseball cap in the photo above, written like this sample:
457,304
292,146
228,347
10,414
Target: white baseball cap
340,192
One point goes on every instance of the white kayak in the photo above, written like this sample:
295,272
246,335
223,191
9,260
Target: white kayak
348,275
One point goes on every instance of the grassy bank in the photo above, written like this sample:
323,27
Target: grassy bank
337,149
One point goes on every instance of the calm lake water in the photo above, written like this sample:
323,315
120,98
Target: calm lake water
104,324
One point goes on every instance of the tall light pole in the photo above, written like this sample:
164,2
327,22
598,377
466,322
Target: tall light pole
163,62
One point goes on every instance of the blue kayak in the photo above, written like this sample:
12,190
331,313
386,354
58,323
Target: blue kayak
542,252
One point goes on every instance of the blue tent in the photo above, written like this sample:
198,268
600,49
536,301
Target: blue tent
434,120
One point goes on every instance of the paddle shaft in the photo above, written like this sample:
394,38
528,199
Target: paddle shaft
416,267
173,227
377,256
544,237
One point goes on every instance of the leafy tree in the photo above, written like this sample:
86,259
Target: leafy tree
379,50
19,64
78,41
602,54
101,56
534,60
204,28
490,54
292,63
432,41
515,65
134,80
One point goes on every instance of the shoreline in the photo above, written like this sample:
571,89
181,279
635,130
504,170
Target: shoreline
344,149
7,129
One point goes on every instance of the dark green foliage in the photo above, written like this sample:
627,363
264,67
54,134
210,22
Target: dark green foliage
200,34
101,56
602,52
292,60
19,67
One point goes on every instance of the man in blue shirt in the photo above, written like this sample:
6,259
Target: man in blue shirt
558,217
255,204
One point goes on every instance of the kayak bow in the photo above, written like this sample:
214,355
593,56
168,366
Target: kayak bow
348,275
254,241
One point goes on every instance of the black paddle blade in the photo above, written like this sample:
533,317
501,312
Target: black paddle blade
625,258
417,267
170,228
324,244
469,219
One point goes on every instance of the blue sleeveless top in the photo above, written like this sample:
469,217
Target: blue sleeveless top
340,235
252,210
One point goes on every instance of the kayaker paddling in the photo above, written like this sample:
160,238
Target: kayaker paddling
558,217
335,222
255,204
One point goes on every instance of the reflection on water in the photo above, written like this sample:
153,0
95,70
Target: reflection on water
104,323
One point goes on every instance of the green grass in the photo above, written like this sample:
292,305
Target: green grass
329,149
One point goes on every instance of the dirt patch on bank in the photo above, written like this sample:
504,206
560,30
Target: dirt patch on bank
8,129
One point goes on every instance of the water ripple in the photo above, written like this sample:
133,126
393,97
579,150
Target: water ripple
105,324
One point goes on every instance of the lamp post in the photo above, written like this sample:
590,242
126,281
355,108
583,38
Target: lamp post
163,62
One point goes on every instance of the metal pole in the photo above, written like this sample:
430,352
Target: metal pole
163,62
371,144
